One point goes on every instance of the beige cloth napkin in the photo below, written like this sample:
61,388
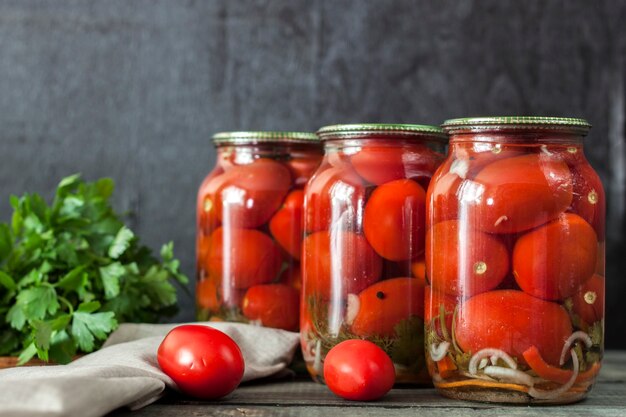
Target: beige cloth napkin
125,372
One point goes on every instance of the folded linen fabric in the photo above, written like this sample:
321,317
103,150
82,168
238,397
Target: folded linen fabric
125,372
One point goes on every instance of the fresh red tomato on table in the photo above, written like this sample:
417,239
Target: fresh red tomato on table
202,361
358,370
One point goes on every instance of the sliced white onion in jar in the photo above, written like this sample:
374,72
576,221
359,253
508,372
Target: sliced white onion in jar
488,353
509,375
551,394
579,335
317,363
483,362
353,304
438,352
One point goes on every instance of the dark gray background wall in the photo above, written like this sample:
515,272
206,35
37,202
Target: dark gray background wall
133,89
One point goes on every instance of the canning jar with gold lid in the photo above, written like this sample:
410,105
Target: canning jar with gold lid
249,227
363,267
515,262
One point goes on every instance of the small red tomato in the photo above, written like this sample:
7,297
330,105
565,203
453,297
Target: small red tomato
274,305
335,196
515,194
206,210
358,370
286,224
512,321
589,200
379,164
243,257
588,303
394,220
249,194
203,362
206,294
554,260
337,264
462,261
380,307
302,169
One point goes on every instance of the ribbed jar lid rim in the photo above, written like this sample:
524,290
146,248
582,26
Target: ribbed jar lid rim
494,123
245,137
343,131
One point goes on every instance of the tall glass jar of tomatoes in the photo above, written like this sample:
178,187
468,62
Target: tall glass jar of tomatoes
249,227
515,261
363,254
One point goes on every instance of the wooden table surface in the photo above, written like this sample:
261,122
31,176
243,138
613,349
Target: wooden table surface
303,397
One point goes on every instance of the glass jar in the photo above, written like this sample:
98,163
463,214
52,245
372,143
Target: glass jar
363,274
515,261
249,227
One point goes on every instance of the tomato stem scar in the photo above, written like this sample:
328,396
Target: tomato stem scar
480,267
590,297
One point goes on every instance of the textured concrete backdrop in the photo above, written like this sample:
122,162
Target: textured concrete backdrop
133,89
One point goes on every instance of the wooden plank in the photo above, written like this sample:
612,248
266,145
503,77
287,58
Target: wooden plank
307,398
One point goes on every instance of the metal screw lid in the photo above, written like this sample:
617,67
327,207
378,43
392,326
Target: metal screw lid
516,123
251,137
363,130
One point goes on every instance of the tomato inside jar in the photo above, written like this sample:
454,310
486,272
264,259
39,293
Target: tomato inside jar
365,225
249,227
514,263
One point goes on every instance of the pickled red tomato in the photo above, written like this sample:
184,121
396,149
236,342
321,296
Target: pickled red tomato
516,194
435,300
274,305
286,224
206,294
394,220
243,257
589,200
380,307
512,321
464,261
379,164
248,195
450,180
206,210
339,263
554,260
588,302
334,196
418,269
302,169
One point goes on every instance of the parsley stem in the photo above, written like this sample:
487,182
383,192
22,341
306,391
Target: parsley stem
67,303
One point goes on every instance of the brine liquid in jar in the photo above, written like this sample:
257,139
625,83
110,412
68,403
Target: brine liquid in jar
249,228
515,263
363,254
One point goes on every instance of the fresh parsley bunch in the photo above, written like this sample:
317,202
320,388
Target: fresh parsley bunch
71,271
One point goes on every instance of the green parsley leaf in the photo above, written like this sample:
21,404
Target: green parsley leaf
88,327
121,242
